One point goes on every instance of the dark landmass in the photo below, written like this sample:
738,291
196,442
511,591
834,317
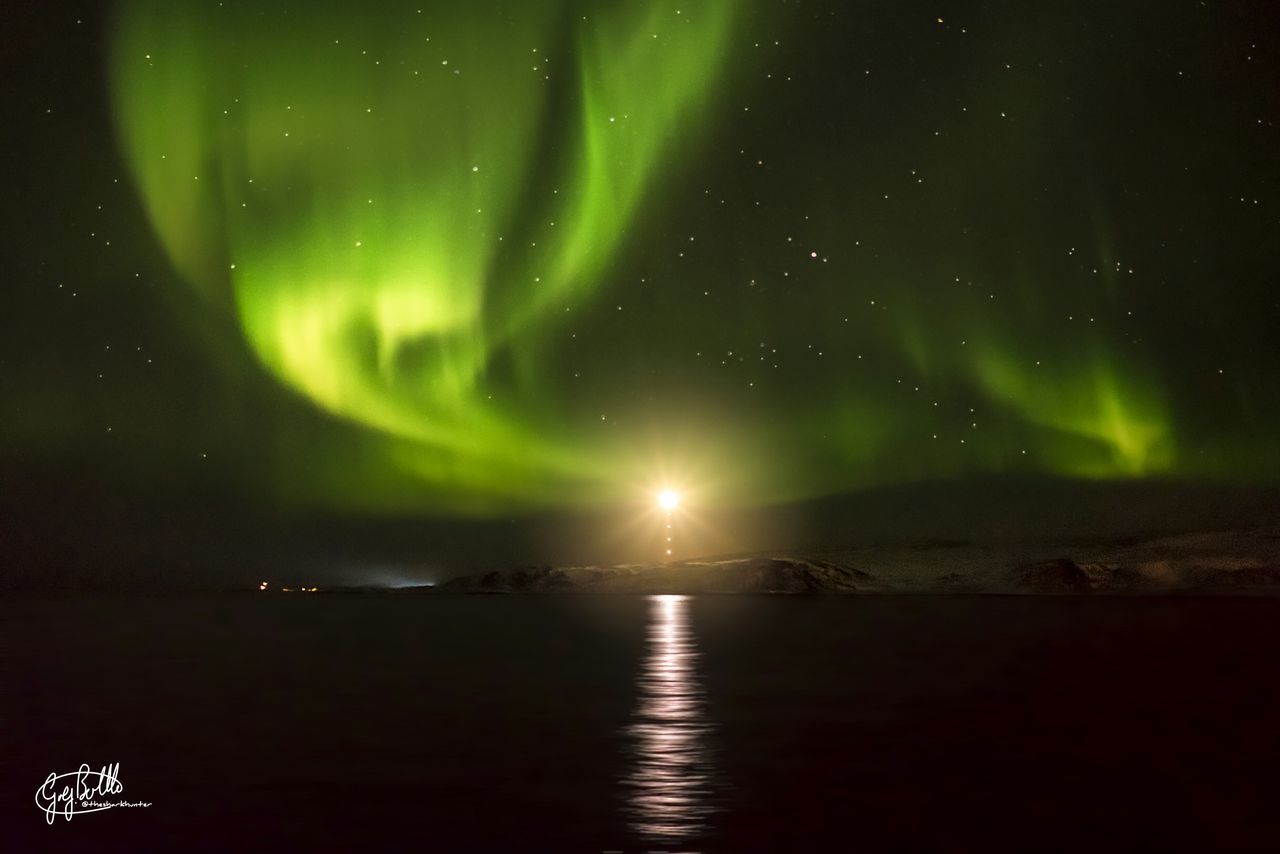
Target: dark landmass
741,575
1221,562
83,528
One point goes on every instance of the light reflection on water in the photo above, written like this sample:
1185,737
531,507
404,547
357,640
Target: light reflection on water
670,783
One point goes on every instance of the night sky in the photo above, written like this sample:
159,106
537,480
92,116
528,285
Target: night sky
483,259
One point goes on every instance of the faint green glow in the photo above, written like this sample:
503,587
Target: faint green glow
1096,420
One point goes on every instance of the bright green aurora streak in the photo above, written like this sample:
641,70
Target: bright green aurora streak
371,219
403,206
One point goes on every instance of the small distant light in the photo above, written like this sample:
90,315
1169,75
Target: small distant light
262,586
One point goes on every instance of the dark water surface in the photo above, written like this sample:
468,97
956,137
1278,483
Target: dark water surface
713,723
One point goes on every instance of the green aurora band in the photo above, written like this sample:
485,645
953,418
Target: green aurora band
385,295
401,210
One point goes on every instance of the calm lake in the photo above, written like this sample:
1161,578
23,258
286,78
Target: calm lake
731,723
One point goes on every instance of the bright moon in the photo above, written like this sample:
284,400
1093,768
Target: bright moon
668,499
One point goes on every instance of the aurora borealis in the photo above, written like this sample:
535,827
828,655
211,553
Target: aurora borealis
387,236
477,257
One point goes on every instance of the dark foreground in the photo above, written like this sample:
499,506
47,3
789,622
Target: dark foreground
647,723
